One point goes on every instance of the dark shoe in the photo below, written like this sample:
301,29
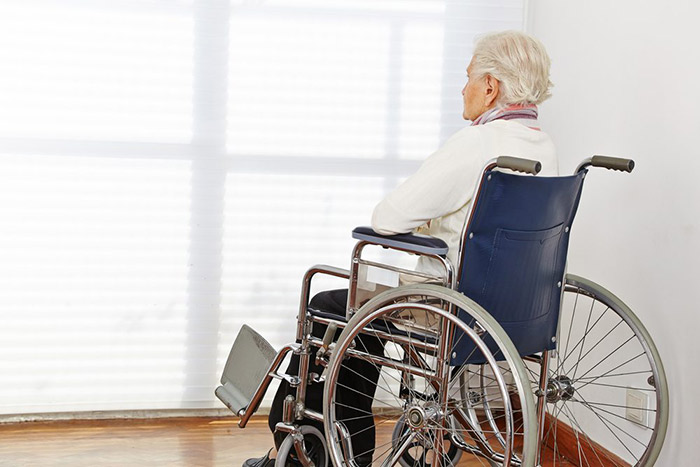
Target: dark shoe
263,461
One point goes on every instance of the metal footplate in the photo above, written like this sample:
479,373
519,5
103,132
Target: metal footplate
246,366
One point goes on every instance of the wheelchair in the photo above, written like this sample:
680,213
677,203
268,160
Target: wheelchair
506,358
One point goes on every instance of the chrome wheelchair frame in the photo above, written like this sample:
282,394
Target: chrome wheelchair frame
504,407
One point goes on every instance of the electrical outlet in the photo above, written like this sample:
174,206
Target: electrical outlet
637,405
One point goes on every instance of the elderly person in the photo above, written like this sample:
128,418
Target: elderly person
507,78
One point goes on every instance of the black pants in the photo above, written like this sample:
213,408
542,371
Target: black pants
357,383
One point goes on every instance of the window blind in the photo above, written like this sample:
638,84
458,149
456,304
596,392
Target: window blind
168,171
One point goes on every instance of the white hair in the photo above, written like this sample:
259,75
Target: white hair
518,61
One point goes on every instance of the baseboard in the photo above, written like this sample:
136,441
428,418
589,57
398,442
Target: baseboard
121,414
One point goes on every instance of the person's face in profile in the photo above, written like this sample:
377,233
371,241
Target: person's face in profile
479,94
472,95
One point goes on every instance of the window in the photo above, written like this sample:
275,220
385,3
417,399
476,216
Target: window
168,171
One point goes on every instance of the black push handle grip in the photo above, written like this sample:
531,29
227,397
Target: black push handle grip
519,165
613,163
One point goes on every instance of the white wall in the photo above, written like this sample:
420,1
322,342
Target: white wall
627,83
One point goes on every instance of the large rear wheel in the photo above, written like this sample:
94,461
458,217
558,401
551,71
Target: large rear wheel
418,384
606,392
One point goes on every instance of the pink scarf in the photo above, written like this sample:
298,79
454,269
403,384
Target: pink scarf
523,114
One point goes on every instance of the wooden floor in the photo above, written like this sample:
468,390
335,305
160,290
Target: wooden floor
186,442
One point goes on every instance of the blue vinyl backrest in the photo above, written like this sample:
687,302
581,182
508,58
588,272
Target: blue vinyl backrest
514,256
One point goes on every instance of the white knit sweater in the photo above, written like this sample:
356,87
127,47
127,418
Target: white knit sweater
436,199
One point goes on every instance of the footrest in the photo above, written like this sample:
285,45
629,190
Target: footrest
246,366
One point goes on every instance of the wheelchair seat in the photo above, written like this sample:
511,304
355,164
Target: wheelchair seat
386,327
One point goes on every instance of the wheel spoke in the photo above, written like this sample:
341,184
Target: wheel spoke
606,358
597,410
580,433
614,369
585,334
582,339
607,424
571,324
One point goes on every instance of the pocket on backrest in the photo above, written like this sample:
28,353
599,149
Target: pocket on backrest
522,275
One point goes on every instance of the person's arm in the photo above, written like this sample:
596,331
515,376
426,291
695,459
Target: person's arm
443,184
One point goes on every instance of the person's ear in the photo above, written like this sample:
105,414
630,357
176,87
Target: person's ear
492,91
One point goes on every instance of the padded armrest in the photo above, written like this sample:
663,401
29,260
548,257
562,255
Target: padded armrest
416,243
